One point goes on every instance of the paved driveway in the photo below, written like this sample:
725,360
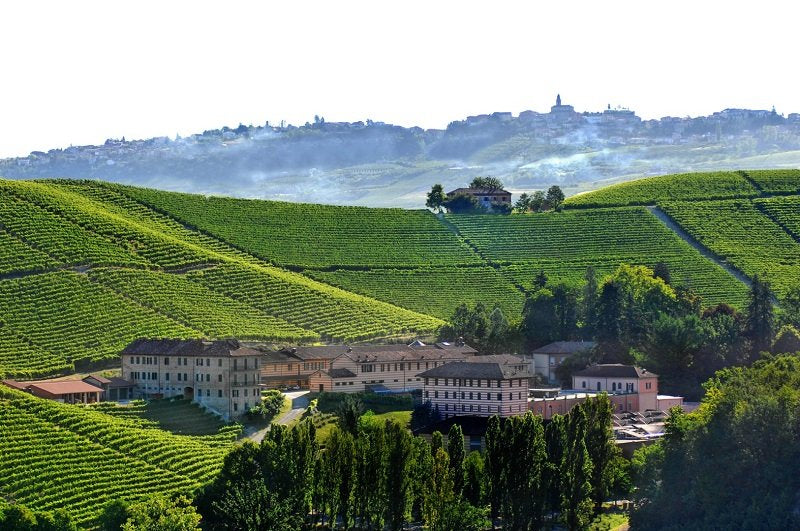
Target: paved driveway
299,404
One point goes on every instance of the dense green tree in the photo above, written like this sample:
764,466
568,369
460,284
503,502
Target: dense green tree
436,441
661,270
489,183
787,340
349,413
498,336
610,309
252,505
369,494
474,479
760,317
554,197
555,443
455,449
731,464
576,473
463,516
540,280
494,465
589,303
790,307
537,201
539,320
421,470
162,514
523,204
565,299
525,462
462,204
113,516
440,492
18,518
600,446
436,198
398,466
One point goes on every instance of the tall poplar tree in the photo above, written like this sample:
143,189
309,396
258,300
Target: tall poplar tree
600,446
760,317
455,449
576,471
494,464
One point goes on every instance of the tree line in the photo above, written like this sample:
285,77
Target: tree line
368,476
637,315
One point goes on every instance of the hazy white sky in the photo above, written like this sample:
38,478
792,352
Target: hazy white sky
81,72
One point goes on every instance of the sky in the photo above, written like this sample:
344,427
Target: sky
76,73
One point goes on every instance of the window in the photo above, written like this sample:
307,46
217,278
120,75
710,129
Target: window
185,361
155,376
219,362
166,361
185,377
166,377
219,393
199,362
511,396
208,392
583,384
236,406
208,362
613,386
245,392
470,395
445,395
462,395
436,381
137,360
598,386
427,393
208,377
219,377
426,381
436,394
479,397
499,397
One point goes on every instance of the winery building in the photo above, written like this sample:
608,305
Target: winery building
223,376
478,386
383,367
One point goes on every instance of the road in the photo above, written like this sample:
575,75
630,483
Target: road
299,404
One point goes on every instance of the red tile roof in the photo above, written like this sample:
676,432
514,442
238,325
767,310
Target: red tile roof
65,387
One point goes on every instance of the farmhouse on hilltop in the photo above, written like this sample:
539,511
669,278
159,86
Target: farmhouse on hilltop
484,196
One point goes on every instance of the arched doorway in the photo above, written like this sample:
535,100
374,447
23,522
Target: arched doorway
188,393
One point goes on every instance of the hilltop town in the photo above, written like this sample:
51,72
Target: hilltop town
378,164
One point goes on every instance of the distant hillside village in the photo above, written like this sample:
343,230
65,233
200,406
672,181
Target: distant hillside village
353,162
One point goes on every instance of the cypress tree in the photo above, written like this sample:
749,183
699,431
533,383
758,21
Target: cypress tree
493,465
474,479
589,303
556,441
436,442
398,466
455,449
576,471
760,318
600,446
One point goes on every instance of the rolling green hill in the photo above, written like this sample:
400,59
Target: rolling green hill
87,266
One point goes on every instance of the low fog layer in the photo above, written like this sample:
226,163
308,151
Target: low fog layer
378,164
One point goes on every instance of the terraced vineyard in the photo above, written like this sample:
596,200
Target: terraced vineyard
564,244
58,455
784,210
198,307
434,291
679,187
332,312
776,181
317,236
743,236
65,318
